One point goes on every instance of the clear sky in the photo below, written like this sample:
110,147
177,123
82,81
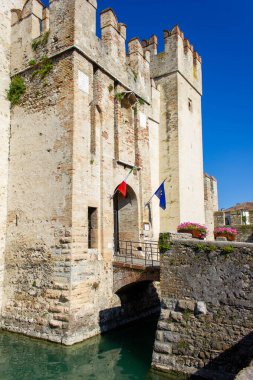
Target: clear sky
222,32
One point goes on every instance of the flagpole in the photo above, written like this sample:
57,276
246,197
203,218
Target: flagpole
154,193
124,180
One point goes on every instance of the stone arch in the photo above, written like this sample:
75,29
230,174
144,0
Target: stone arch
126,216
127,277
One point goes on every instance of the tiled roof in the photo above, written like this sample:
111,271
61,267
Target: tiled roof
241,206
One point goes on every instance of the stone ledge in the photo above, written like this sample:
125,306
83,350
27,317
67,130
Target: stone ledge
193,242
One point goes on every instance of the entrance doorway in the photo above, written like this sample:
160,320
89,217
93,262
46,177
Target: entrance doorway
126,226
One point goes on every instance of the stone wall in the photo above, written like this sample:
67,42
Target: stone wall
5,41
206,324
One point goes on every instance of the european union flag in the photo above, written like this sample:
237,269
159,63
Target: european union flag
160,193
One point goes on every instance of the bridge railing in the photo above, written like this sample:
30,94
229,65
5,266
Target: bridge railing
140,253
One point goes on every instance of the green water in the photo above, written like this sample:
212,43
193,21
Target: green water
123,354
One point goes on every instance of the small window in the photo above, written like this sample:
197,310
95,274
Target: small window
189,104
41,26
245,218
92,227
228,219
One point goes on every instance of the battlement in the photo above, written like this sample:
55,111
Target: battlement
151,45
186,43
178,55
35,17
113,34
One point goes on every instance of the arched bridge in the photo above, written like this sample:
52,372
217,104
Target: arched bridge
135,262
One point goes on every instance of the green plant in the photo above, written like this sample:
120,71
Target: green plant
110,88
210,248
34,284
119,96
41,41
164,246
32,62
205,248
182,345
16,90
228,249
200,247
135,75
141,101
187,314
43,68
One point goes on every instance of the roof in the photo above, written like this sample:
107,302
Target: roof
241,206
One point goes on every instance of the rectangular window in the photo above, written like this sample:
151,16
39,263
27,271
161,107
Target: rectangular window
245,217
227,219
92,227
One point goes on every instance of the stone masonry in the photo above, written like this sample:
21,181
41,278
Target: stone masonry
205,326
5,45
90,113
211,203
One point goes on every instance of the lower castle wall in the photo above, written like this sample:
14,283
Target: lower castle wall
206,323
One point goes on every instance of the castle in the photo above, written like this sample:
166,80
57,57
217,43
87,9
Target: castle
87,113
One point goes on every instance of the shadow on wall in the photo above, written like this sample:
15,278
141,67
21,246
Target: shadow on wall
138,300
231,361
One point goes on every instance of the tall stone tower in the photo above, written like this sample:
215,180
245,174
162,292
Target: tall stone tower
177,71
5,41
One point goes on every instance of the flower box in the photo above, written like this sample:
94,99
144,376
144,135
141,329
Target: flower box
229,233
197,230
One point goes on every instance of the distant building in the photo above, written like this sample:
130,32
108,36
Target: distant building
240,217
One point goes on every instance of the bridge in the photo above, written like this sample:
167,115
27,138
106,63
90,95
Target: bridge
135,262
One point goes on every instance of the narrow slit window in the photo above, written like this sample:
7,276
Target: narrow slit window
92,227
189,104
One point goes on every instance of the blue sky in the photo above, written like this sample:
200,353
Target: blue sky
221,31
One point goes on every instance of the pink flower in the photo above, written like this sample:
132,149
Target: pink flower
226,231
189,226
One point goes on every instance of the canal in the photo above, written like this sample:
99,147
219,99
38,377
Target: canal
123,354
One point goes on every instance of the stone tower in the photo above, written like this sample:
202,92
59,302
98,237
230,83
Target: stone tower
177,71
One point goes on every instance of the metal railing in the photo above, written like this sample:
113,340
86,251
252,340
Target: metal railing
140,253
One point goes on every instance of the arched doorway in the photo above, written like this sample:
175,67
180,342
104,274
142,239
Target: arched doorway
126,226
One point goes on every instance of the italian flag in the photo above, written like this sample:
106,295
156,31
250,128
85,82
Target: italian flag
122,188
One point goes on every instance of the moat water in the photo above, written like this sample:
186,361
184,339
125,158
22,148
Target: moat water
123,354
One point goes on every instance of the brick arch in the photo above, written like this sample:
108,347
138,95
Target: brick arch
125,275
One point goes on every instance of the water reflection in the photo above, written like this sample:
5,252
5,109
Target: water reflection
124,354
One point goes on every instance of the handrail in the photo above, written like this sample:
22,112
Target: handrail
138,252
